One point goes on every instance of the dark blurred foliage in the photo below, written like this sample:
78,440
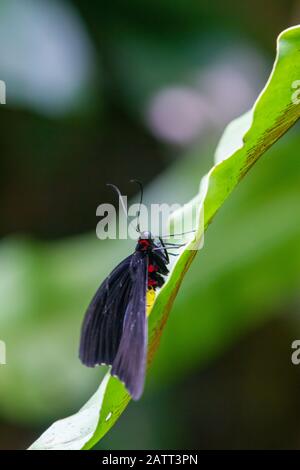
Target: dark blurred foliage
66,169
53,174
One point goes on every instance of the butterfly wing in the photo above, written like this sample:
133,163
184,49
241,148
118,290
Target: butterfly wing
103,323
129,364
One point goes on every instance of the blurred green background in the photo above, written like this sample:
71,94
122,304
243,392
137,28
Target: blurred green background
109,91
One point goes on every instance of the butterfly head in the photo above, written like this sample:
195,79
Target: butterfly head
145,241
145,236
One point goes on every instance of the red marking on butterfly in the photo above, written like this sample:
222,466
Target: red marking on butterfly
144,243
152,268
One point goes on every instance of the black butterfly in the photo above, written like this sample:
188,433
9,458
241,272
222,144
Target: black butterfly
115,330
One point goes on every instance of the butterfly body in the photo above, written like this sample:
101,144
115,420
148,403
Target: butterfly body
115,330
157,259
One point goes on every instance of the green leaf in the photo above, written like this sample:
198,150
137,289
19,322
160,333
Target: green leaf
244,141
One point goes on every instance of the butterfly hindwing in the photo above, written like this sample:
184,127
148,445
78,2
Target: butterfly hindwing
130,362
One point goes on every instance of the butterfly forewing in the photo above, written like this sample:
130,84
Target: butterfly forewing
103,323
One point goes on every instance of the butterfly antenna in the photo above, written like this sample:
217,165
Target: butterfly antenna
138,229
120,197
177,234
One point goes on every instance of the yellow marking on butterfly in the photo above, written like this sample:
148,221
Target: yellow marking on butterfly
150,297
